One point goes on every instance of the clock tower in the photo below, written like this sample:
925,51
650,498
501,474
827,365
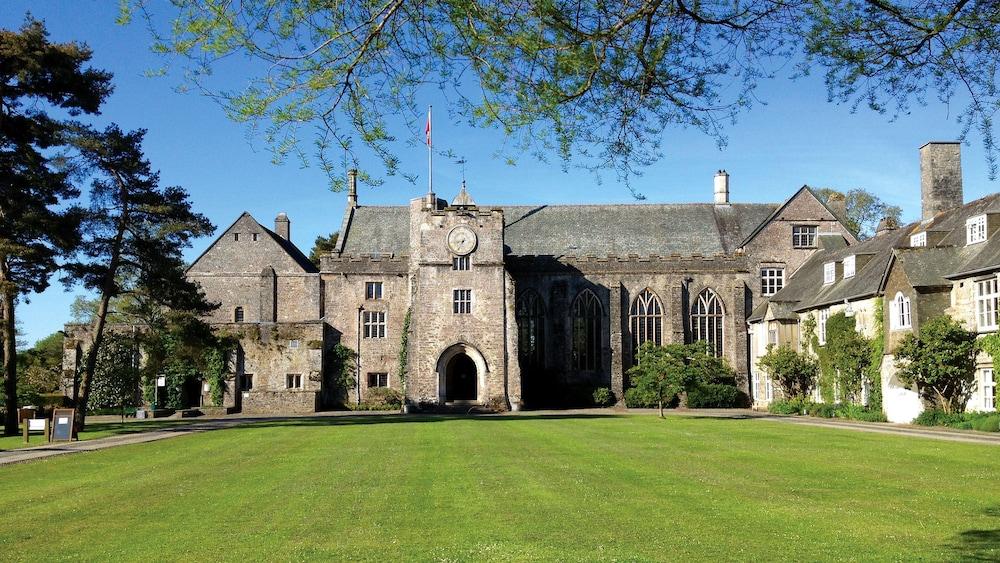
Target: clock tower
463,343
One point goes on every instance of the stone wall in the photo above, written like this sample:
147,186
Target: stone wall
273,402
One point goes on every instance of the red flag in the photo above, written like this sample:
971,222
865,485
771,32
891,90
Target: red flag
427,130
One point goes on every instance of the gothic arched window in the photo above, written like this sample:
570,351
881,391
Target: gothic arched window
646,321
530,316
587,318
707,320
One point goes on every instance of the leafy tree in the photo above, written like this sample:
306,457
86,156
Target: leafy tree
599,82
134,232
117,374
41,365
794,372
663,372
864,209
850,354
941,362
322,246
37,77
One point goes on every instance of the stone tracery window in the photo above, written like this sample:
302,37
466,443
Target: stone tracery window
646,321
707,320
530,316
587,324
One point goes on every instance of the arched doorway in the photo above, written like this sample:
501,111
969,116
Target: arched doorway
462,373
460,379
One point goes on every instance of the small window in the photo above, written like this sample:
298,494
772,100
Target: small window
772,336
829,273
254,237
373,290
986,304
919,239
294,344
378,380
771,280
461,301
900,312
804,236
460,263
236,237
849,267
824,315
293,381
238,315
246,382
374,324
975,229
988,389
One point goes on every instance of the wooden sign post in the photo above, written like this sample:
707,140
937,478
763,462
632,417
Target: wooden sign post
35,425
62,425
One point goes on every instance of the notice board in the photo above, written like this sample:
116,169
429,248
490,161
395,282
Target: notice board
62,425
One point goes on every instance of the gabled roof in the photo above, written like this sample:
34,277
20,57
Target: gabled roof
293,251
779,209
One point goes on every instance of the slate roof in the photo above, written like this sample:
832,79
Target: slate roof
930,266
596,230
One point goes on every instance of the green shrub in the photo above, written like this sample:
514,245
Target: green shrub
823,410
636,399
987,423
858,412
789,406
937,417
603,398
381,399
715,396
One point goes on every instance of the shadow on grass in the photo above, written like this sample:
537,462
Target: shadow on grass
979,545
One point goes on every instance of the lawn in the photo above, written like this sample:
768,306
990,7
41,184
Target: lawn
94,430
510,488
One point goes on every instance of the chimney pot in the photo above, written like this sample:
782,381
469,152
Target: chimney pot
721,187
283,226
940,178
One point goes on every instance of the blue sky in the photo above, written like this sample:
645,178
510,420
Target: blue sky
796,138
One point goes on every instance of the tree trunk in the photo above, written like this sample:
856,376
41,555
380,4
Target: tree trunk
9,337
91,364
661,407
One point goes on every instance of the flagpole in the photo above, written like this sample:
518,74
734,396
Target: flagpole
430,155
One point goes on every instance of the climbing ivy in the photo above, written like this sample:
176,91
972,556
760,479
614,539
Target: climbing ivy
404,340
990,343
215,374
877,344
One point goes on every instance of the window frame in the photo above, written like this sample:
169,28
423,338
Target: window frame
461,301
810,232
373,290
246,382
988,400
381,379
645,321
236,237
900,313
975,229
918,240
239,315
373,324
821,318
769,281
293,381
461,263
829,273
852,260
587,322
987,303
710,309
529,313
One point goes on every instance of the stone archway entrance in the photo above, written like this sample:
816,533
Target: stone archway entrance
460,379
462,375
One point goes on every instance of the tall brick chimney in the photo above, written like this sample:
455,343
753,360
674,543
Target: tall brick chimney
721,187
283,226
940,178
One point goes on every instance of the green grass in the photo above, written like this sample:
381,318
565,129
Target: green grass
510,488
93,430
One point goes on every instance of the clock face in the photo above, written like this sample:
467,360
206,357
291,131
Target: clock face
462,240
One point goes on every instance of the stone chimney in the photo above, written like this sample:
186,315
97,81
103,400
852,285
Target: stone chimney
352,188
283,226
886,225
721,187
940,178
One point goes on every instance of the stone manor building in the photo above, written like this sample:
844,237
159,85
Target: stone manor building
506,306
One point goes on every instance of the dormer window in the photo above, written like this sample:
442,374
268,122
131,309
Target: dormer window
849,267
829,273
919,239
975,229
